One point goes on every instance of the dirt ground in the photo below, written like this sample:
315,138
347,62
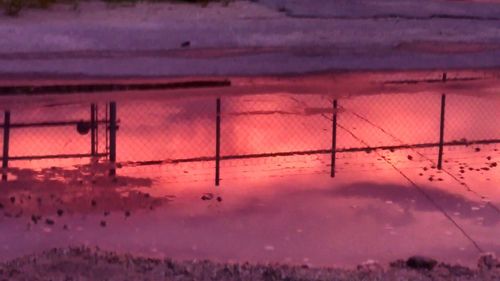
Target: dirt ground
83,263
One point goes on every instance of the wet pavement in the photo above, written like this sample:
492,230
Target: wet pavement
382,204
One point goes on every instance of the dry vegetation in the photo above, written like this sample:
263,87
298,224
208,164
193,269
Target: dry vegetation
92,264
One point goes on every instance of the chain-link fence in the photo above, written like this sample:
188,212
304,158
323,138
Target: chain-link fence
284,131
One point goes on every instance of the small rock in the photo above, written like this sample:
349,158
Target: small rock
370,265
93,203
35,218
419,262
49,222
487,261
207,196
269,248
13,200
127,214
410,157
106,213
219,199
103,223
186,44
60,212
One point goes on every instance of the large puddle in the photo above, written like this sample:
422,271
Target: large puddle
276,200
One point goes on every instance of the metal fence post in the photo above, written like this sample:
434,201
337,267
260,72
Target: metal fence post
441,132
334,138
217,144
6,135
106,129
93,130
112,138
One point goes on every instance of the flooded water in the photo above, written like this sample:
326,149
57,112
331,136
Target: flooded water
277,201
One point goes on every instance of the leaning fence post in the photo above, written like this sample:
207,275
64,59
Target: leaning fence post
217,145
441,132
112,138
6,135
334,138
93,130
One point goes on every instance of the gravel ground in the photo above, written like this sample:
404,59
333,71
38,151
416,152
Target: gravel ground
84,263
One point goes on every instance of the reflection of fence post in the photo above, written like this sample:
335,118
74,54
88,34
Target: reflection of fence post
334,138
106,129
6,135
441,132
93,130
112,138
217,145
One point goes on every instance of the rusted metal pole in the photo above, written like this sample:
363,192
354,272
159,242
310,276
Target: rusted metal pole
217,144
334,138
112,138
6,137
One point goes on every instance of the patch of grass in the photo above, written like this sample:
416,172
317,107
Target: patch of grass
14,7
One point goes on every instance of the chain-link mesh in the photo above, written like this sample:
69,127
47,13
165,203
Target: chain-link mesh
275,132
166,130
470,118
392,120
275,123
